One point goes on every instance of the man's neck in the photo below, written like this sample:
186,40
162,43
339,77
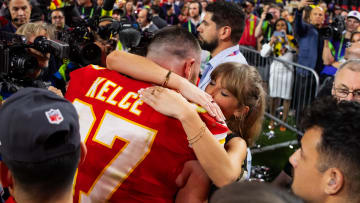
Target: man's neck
338,199
195,20
87,4
63,198
15,26
221,47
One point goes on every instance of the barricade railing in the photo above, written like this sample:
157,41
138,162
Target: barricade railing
290,87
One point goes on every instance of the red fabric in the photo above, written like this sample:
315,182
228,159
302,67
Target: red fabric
10,200
246,39
153,179
3,21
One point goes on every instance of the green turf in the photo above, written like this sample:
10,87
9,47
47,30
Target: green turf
274,159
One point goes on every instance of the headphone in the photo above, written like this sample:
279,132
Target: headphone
148,14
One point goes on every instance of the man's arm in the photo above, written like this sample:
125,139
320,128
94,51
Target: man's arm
300,26
327,56
258,29
194,183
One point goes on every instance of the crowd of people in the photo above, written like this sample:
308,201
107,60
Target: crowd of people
173,121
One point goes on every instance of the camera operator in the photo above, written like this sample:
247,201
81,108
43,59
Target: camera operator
271,13
20,11
106,43
334,49
31,31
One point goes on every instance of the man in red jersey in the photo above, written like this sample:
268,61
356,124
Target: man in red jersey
134,153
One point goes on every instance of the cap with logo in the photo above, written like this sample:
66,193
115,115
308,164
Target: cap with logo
354,14
37,125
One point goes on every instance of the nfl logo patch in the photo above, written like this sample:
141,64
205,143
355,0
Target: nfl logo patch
54,116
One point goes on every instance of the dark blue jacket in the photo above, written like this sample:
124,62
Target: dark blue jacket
308,38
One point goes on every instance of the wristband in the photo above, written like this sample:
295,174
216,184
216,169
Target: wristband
166,79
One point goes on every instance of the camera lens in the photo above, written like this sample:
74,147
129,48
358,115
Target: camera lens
269,16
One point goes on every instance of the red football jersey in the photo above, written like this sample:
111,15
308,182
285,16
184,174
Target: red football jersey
134,153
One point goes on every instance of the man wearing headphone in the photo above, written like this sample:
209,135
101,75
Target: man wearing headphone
194,19
145,20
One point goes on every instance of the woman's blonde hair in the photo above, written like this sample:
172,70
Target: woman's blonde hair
31,29
245,83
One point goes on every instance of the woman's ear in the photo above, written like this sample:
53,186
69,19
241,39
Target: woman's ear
241,111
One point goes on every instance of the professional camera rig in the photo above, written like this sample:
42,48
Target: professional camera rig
17,64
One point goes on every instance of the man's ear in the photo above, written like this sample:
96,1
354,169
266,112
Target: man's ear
333,181
189,66
225,33
83,152
5,176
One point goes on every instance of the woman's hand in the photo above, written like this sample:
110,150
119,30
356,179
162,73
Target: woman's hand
273,40
166,101
198,96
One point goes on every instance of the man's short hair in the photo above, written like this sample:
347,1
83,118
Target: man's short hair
174,41
339,146
58,9
272,5
156,9
228,14
40,141
352,64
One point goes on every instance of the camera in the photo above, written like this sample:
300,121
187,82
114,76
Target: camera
17,65
334,30
269,16
16,61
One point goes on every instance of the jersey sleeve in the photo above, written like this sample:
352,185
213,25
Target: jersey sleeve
217,129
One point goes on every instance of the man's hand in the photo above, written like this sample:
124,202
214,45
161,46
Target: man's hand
56,91
265,10
194,182
304,3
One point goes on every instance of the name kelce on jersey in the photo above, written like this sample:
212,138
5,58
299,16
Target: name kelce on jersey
108,91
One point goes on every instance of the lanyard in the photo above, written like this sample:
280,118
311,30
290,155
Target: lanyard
189,25
91,12
252,19
340,48
269,33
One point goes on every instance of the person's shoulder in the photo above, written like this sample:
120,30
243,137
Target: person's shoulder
239,58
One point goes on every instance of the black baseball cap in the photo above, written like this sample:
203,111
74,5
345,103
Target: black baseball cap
37,125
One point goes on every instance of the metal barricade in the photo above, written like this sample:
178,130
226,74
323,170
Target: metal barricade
296,85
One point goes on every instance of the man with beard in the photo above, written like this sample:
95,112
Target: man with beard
219,33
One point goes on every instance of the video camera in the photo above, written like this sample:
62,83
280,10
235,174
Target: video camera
83,35
335,29
17,64
16,61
